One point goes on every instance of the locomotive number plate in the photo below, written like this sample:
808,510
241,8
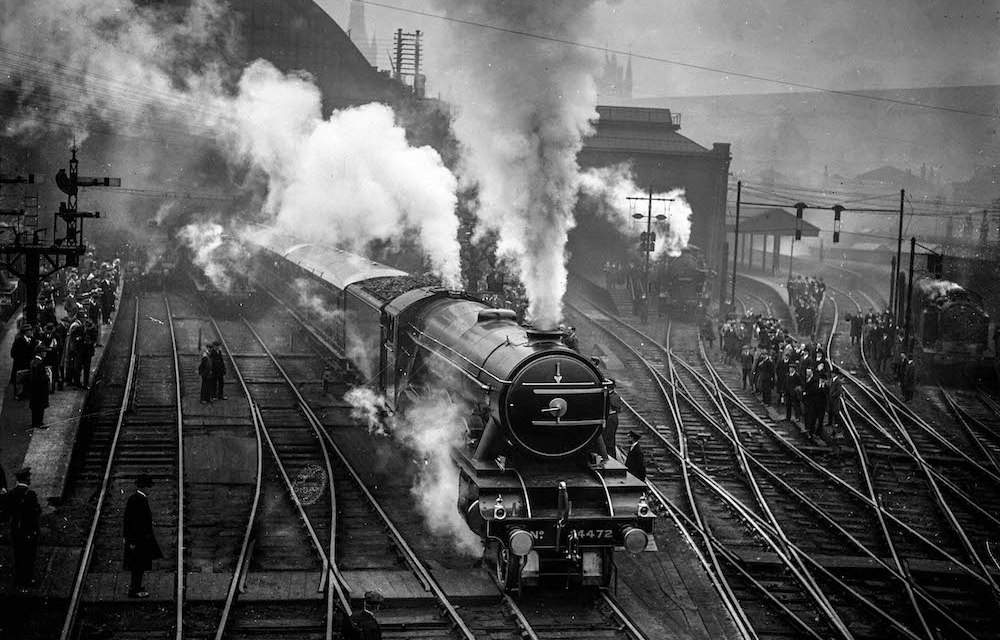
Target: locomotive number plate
594,534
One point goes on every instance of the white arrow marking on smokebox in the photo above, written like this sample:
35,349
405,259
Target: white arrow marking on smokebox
558,376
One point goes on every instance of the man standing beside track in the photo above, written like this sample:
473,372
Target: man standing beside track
635,461
141,547
24,510
218,370
207,377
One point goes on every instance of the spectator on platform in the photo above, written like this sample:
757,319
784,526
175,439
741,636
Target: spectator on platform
571,340
362,625
86,353
61,333
74,346
218,370
24,511
21,352
107,299
46,312
141,547
207,375
635,461
856,324
38,387
53,354
611,424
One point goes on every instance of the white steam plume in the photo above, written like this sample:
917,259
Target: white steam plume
157,70
608,190
430,427
525,106
222,259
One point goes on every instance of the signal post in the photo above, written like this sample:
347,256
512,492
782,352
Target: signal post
30,244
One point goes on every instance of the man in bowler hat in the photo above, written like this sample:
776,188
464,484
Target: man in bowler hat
635,462
140,542
38,387
24,510
362,625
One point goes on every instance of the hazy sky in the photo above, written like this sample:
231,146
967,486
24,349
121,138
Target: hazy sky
843,44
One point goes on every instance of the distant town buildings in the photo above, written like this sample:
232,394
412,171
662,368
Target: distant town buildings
615,82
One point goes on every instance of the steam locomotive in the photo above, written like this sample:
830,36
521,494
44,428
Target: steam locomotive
682,281
532,483
952,328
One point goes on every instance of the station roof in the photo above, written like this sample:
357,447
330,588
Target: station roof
774,222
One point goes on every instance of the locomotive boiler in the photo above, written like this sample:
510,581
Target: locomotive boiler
532,481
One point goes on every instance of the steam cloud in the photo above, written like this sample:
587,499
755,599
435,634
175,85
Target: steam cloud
526,105
218,258
430,428
346,179
608,189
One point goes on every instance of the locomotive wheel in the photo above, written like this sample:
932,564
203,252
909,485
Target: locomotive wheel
508,569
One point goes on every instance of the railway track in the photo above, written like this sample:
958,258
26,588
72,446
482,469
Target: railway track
146,438
905,616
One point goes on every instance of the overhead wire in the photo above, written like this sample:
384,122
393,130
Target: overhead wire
728,72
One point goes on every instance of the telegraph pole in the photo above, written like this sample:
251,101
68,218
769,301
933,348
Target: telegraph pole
736,242
894,301
30,245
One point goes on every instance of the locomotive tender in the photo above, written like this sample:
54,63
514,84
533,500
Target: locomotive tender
531,482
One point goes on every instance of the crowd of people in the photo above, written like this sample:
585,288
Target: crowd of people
805,295
56,352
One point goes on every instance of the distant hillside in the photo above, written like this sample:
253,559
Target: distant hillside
798,134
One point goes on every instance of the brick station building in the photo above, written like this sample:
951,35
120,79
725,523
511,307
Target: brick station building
664,159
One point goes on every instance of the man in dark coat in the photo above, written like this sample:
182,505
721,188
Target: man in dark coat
22,350
38,388
611,424
218,370
765,377
141,547
207,377
362,625
793,393
88,344
107,299
813,402
908,382
635,462
746,364
835,406
22,505
74,345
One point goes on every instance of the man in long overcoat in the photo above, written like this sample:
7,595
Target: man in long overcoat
38,387
205,370
218,370
21,351
141,547
22,505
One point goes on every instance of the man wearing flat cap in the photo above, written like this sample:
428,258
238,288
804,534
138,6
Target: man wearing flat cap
362,624
22,505
635,462
140,542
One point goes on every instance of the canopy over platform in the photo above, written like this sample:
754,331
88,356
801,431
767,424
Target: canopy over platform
774,222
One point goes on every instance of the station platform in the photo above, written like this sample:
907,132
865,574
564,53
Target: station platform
47,451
